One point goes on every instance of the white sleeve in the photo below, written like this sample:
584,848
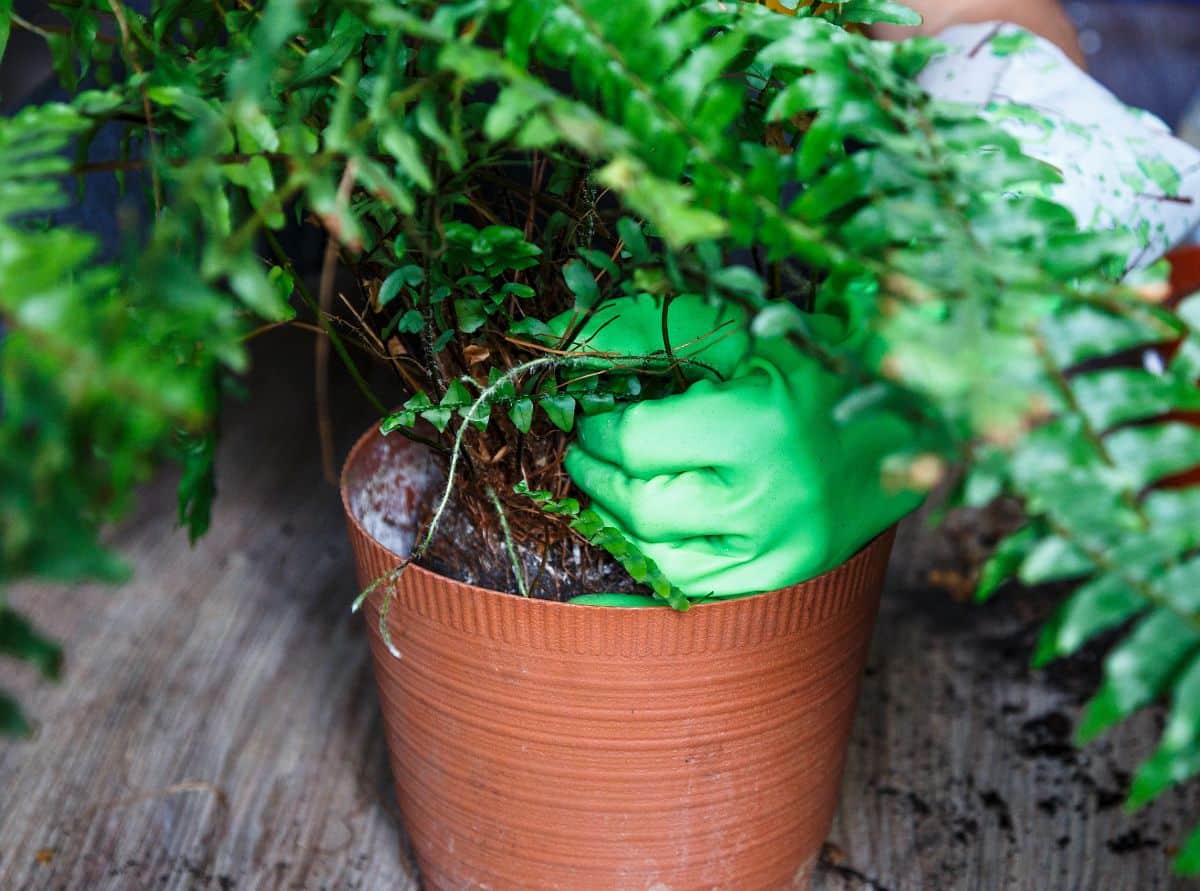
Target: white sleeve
1121,167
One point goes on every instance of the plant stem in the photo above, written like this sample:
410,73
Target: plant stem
306,295
509,545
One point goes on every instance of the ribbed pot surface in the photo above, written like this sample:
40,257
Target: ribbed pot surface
537,744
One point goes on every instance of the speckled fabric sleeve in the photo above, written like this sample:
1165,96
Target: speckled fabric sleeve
1121,167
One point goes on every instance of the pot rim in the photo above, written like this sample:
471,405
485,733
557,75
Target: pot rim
710,606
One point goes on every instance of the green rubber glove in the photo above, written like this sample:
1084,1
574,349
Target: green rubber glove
638,601
743,485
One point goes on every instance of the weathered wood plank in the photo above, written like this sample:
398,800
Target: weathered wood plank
218,724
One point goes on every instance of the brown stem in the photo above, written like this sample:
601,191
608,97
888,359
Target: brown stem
321,348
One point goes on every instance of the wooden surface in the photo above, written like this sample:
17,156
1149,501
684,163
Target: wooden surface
218,728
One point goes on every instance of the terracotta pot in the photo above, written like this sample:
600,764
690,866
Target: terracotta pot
1185,271
1185,281
537,744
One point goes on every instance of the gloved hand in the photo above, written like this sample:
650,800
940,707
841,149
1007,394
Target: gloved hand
744,485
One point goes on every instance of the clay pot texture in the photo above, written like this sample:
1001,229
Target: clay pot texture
1185,281
537,744
1185,272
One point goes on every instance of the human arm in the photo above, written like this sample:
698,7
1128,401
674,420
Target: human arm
1046,18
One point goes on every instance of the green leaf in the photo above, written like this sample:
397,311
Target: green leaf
538,495
631,234
740,280
12,719
674,209
420,404
521,414
396,420
471,313
1082,332
1096,606
546,500
403,147
5,24
504,390
1002,564
19,639
593,403
521,292
1178,755
560,409
410,276
1149,453
566,506
457,396
582,284
337,131
600,260
382,185
870,12
640,567
431,127
1118,395
326,58
1054,559
438,417
410,322
986,478
249,280
1138,669
197,484
1173,508
526,20
1188,861
255,131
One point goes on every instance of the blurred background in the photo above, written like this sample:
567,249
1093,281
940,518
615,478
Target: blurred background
1148,53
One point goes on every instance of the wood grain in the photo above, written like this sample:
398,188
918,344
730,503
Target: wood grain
962,774
218,727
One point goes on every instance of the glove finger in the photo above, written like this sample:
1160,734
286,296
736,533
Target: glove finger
664,508
766,573
672,434
696,566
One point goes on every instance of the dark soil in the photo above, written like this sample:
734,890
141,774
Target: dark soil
396,492
558,564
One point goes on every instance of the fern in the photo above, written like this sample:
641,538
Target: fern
486,164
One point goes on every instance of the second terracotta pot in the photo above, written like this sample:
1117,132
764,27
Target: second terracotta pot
537,744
